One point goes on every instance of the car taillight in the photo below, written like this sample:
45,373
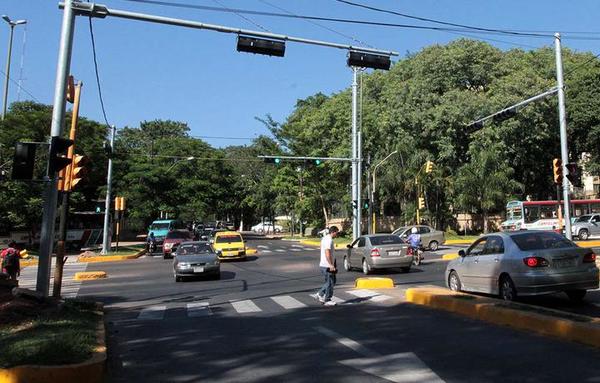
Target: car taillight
375,253
535,262
589,257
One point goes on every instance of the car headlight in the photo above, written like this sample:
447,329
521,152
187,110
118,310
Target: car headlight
183,265
219,252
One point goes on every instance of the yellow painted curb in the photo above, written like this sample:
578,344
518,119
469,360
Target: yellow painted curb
311,242
89,371
89,275
449,256
251,251
458,242
374,283
111,258
588,243
28,262
566,326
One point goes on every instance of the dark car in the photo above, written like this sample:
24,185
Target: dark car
173,239
195,259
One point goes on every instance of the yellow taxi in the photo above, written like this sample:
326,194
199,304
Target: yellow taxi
229,245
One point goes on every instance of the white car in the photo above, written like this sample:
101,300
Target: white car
266,227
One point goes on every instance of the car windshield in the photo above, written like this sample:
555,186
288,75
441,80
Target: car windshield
385,240
228,238
197,248
177,235
583,218
541,240
399,230
159,226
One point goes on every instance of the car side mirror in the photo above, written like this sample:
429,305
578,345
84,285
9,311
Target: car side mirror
461,253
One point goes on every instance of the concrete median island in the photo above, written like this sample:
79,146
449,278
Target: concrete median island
555,323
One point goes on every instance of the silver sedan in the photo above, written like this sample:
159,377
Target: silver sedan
524,263
377,251
195,258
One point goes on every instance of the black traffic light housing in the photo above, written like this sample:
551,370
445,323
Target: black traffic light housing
261,46
573,174
505,114
23,161
272,160
368,60
58,154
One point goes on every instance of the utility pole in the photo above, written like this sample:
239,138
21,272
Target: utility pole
12,25
64,208
106,237
564,151
355,158
58,119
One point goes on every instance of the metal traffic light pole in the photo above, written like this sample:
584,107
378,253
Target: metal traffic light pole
58,118
106,238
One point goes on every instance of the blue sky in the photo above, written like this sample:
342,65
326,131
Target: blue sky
151,71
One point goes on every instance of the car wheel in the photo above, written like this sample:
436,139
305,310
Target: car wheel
507,289
454,281
583,234
576,295
433,246
347,264
405,269
365,267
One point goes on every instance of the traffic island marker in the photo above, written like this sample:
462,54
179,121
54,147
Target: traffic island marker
449,256
374,283
90,275
555,323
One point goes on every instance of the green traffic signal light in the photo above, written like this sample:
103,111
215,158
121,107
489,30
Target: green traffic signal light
317,162
277,161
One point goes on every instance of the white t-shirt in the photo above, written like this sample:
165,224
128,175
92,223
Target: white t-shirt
326,243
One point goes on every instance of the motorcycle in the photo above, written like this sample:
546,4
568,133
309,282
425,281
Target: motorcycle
151,247
418,257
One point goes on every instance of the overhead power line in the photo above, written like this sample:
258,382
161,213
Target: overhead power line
23,89
97,74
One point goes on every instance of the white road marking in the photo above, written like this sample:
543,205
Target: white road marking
400,367
309,248
265,251
297,246
295,249
246,306
380,298
262,247
363,293
337,300
152,313
280,250
198,309
287,302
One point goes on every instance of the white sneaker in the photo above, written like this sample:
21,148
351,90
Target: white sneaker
329,303
321,298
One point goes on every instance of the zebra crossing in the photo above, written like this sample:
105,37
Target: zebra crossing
281,303
70,288
265,249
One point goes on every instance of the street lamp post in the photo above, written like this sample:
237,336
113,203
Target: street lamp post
178,161
373,189
12,25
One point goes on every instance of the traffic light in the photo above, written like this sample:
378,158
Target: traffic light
23,161
421,203
557,170
119,203
368,60
366,204
505,114
77,171
428,166
70,90
475,125
354,204
261,46
58,154
272,160
573,174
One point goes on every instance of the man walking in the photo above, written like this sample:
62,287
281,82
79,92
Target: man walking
327,265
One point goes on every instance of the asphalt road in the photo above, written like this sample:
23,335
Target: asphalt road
259,323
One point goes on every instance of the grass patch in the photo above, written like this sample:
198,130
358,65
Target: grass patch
452,236
64,335
126,250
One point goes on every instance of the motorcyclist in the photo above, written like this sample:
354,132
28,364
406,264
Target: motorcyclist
151,241
414,240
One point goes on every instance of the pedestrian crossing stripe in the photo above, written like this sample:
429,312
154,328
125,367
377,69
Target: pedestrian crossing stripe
152,313
198,309
246,306
288,302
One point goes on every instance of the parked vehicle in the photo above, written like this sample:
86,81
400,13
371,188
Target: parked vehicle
430,237
377,251
195,258
172,241
524,263
266,227
586,226
229,245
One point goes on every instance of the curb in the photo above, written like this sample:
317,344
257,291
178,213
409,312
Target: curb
251,251
89,371
588,243
458,242
110,258
89,275
449,256
555,323
28,262
374,283
310,242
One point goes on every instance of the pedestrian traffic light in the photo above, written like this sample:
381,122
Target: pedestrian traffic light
505,114
421,203
557,170
354,204
58,154
77,171
366,204
573,174
272,160
23,161
428,166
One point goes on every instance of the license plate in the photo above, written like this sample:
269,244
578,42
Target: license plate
562,263
393,253
198,269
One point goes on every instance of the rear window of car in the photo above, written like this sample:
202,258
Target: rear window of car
194,249
385,240
228,238
541,240
178,235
